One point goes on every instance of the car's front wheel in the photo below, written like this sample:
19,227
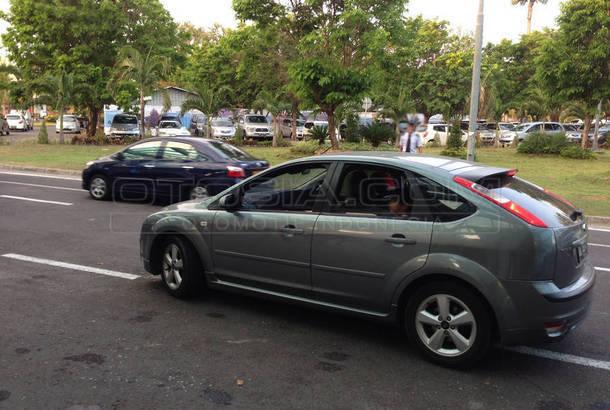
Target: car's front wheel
449,323
99,188
181,269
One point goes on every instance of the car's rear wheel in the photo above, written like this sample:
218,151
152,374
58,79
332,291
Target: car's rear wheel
449,323
199,192
99,188
181,269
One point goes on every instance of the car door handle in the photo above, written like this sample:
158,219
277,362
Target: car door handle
149,166
187,167
291,230
400,239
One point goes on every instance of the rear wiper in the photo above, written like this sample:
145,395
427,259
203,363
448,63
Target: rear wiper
576,214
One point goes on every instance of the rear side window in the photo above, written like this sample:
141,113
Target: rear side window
227,151
552,210
180,151
439,203
145,150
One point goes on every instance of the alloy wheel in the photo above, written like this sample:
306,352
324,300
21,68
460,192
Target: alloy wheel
446,325
98,188
173,266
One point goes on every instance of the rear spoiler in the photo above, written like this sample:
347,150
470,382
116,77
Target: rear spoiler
477,173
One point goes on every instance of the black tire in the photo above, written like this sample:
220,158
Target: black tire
482,327
95,187
191,274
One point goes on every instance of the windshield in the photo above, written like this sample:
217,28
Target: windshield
505,127
124,119
222,123
570,127
256,119
522,127
169,124
13,117
228,151
300,123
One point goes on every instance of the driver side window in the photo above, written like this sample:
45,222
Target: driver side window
293,188
145,150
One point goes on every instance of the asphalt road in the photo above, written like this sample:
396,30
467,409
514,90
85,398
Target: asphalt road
76,339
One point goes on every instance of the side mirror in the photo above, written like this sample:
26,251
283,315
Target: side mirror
230,202
120,156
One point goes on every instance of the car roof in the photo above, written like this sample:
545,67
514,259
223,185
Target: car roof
442,166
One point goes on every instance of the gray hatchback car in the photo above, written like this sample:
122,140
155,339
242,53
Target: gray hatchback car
459,254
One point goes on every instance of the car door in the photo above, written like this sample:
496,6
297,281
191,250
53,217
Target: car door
266,242
131,173
371,237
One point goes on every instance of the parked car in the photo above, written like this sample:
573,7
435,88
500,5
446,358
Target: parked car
172,128
576,136
71,124
171,116
222,128
459,253
198,125
430,131
169,168
486,134
17,122
4,128
286,128
573,132
525,130
255,126
125,125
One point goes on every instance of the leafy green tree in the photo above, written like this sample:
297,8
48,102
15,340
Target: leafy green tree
573,65
144,70
530,7
396,105
209,101
62,90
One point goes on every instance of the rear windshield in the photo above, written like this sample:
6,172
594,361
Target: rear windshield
169,124
13,117
228,151
550,209
122,119
222,123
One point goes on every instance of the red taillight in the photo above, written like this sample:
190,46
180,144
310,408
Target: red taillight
501,201
425,134
235,172
20,122
565,201
512,172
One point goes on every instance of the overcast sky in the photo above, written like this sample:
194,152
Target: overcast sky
502,20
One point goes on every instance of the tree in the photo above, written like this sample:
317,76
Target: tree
530,6
209,101
396,105
573,65
145,70
39,41
61,91
276,105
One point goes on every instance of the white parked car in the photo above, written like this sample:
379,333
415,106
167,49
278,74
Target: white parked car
17,122
286,128
222,128
255,126
172,128
310,124
71,124
429,131
525,130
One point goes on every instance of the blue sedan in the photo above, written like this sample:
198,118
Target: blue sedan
169,168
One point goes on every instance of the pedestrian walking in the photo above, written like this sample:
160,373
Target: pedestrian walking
411,141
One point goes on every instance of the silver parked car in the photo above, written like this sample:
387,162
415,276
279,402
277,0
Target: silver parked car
286,128
525,130
458,253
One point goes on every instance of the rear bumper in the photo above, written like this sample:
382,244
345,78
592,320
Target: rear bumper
542,303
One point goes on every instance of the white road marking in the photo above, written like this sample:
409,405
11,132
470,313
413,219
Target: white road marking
39,175
599,244
602,269
599,229
83,268
562,357
41,186
36,200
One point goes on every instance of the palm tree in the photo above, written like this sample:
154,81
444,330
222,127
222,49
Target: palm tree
530,6
209,101
396,107
145,70
275,105
60,90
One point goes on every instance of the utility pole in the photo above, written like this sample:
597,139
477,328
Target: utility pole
476,81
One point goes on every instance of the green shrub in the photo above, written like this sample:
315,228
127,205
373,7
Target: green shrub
455,152
239,137
51,118
306,147
351,129
541,143
577,153
317,133
265,143
454,142
43,135
377,133
433,143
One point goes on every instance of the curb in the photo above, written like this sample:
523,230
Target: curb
39,170
598,221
